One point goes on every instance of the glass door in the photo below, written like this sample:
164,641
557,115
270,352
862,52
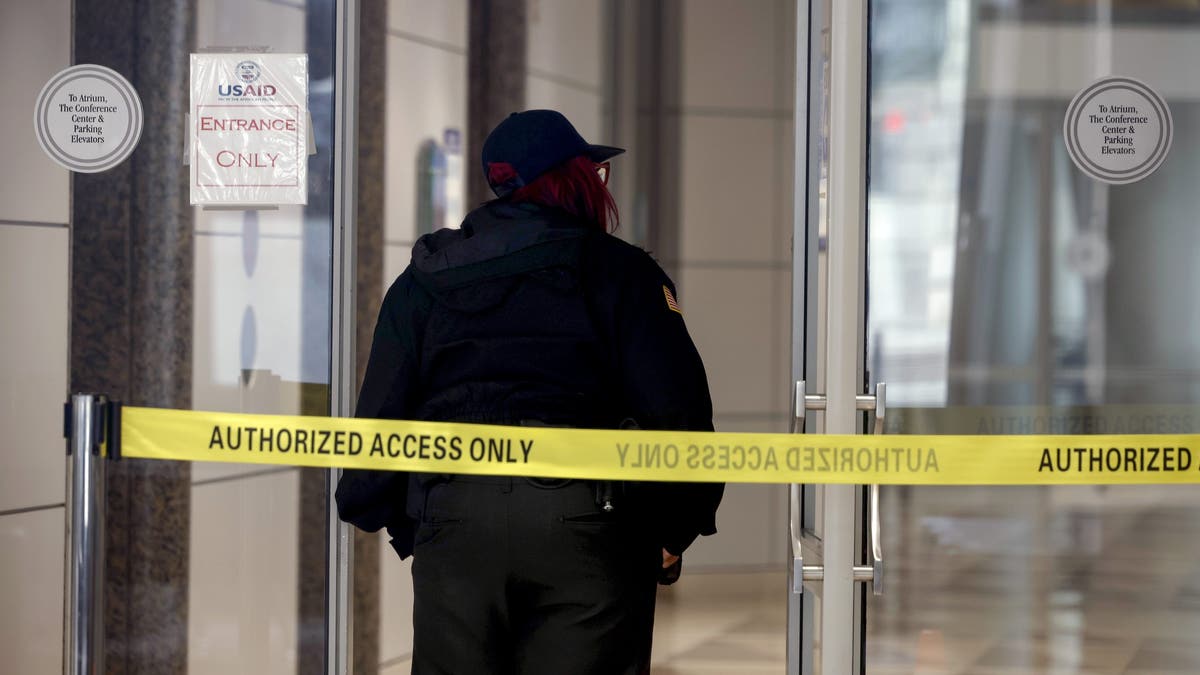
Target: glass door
268,337
1022,282
987,232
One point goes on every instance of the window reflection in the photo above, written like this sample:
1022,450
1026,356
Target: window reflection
999,274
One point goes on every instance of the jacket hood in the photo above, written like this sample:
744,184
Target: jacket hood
497,242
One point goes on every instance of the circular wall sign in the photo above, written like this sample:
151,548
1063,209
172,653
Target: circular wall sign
1118,130
88,118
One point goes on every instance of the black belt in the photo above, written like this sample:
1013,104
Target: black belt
543,483
604,488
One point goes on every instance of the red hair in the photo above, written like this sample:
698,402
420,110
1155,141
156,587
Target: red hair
575,187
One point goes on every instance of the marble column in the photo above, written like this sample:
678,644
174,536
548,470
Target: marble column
496,64
372,118
131,322
316,319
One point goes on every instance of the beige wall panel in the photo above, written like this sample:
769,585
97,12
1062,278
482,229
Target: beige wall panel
730,54
728,313
285,221
444,21
33,364
31,591
426,94
395,258
781,351
582,107
242,591
396,604
729,185
35,43
566,39
223,293
263,392
784,162
751,530
250,23
785,56
1058,60
202,472
399,668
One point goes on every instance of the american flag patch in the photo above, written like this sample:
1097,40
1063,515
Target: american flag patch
671,303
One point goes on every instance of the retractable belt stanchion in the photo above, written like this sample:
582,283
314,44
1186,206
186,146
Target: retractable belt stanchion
100,430
86,419
643,455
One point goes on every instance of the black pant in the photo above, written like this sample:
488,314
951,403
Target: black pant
514,579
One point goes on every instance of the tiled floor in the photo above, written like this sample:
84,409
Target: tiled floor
996,581
722,623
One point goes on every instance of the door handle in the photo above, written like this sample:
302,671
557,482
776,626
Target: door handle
873,573
801,403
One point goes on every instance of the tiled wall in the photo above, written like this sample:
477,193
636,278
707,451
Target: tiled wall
735,241
426,96
566,54
34,213
242,600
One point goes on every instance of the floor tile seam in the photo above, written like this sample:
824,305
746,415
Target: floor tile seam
1132,653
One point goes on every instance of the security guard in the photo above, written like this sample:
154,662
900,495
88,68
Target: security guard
533,314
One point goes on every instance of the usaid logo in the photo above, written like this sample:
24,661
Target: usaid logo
248,71
238,90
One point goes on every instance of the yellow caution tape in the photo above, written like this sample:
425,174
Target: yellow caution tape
552,452
1073,419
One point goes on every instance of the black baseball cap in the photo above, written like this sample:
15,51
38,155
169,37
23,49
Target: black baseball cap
531,143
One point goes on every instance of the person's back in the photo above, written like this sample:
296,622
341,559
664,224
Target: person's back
531,313
510,336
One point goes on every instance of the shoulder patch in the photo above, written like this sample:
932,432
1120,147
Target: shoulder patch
671,303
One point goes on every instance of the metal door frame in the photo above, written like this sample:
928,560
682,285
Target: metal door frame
832,354
339,592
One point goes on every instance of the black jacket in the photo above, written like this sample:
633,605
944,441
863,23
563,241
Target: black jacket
525,316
